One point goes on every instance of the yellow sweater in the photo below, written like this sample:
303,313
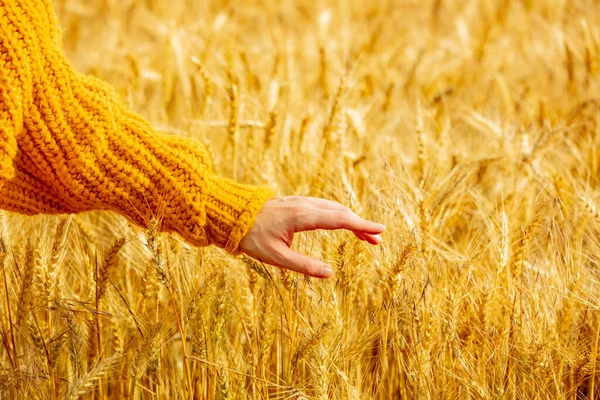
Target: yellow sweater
68,144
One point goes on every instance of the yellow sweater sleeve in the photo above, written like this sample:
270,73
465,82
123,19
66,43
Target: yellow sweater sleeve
68,144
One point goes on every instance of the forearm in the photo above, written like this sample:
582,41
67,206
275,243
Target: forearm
81,149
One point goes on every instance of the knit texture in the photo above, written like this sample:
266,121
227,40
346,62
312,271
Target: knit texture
68,144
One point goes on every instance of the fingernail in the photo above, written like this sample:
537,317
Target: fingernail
326,271
381,226
378,238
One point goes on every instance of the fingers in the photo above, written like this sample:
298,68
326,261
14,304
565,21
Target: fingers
360,236
371,239
269,238
285,257
318,203
332,219
327,204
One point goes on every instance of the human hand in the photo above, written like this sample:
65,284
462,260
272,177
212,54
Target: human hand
270,237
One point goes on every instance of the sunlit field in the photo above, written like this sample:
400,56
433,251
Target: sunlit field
471,129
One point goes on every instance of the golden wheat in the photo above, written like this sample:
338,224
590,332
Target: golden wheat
469,128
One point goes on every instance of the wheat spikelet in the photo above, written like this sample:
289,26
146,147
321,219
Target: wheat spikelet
483,313
301,137
425,225
157,259
321,372
74,343
220,310
27,280
223,390
287,278
150,286
199,346
115,337
388,97
270,130
307,347
421,146
451,311
234,119
565,313
329,135
253,80
518,254
207,81
198,298
252,277
107,267
562,197
58,246
57,253
145,351
342,264
504,243
323,76
36,336
569,65
266,330
40,269
87,382
396,277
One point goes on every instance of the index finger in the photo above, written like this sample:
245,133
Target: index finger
334,219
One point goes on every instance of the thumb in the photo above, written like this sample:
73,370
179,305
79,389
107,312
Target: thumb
292,260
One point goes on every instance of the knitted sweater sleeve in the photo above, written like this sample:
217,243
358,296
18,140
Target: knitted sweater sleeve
68,144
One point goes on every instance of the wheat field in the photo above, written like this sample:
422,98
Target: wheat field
471,129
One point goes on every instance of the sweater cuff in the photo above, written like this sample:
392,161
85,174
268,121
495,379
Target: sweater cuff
231,209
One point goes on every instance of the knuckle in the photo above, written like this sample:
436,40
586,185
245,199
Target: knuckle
344,217
294,199
288,200
277,258
298,211
289,206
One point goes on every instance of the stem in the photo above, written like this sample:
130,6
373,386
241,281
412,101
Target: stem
10,324
594,355
188,381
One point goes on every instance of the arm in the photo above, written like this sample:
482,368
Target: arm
68,144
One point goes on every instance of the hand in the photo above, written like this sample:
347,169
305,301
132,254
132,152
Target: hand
270,237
